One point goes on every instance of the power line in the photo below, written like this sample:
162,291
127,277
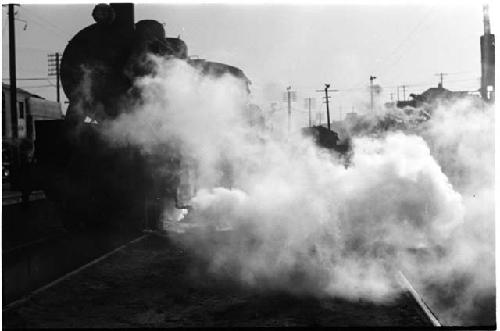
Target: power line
441,75
407,39
43,20
38,20
34,78
403,41
37,86
391,66
44,50
413,84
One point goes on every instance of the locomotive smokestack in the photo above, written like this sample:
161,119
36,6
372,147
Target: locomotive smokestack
487,42
124,19
486,19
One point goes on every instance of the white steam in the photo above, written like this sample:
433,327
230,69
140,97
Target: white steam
300,219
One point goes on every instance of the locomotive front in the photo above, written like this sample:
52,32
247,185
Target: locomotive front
93,181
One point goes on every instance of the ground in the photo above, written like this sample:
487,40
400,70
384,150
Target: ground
152,283
21,225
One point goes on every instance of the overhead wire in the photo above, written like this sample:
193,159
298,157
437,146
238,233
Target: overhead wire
305,90
38,20
45,21
36,86
33,78
391,66
411,34
400,45
428,14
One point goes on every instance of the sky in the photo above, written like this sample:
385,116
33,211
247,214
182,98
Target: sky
289,44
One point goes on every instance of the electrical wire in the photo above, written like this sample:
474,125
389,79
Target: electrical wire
38,20
430,13
43,20
413,84
34,78
400,45
36,86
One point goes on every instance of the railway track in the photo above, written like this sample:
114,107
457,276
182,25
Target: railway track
81,274
399,276
405,283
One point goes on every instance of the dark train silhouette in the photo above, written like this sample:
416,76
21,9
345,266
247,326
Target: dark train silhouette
93,182
101,61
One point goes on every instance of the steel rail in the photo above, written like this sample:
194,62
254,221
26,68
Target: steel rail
404,282
401,278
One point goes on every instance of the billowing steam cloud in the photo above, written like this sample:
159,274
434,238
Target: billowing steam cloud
461,137
299,219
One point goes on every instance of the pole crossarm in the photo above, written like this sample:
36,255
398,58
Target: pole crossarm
441,74
54,67
327,97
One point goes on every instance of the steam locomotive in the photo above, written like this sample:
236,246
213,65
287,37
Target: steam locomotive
93,182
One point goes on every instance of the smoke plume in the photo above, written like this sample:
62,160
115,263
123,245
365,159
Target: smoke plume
299,219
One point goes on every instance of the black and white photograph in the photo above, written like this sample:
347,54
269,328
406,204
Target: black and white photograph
249,164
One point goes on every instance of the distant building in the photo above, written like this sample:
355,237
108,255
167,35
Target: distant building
432,96
350,117
30,108
487,42
18,132
390,104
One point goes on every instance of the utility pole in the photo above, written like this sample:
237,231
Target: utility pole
404,91
310,104
289,97
12,71
327,86
441,74
288,92
54,66
372,78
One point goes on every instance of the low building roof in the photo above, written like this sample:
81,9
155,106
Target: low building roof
20,90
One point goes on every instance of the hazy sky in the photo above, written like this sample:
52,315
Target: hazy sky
298,45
